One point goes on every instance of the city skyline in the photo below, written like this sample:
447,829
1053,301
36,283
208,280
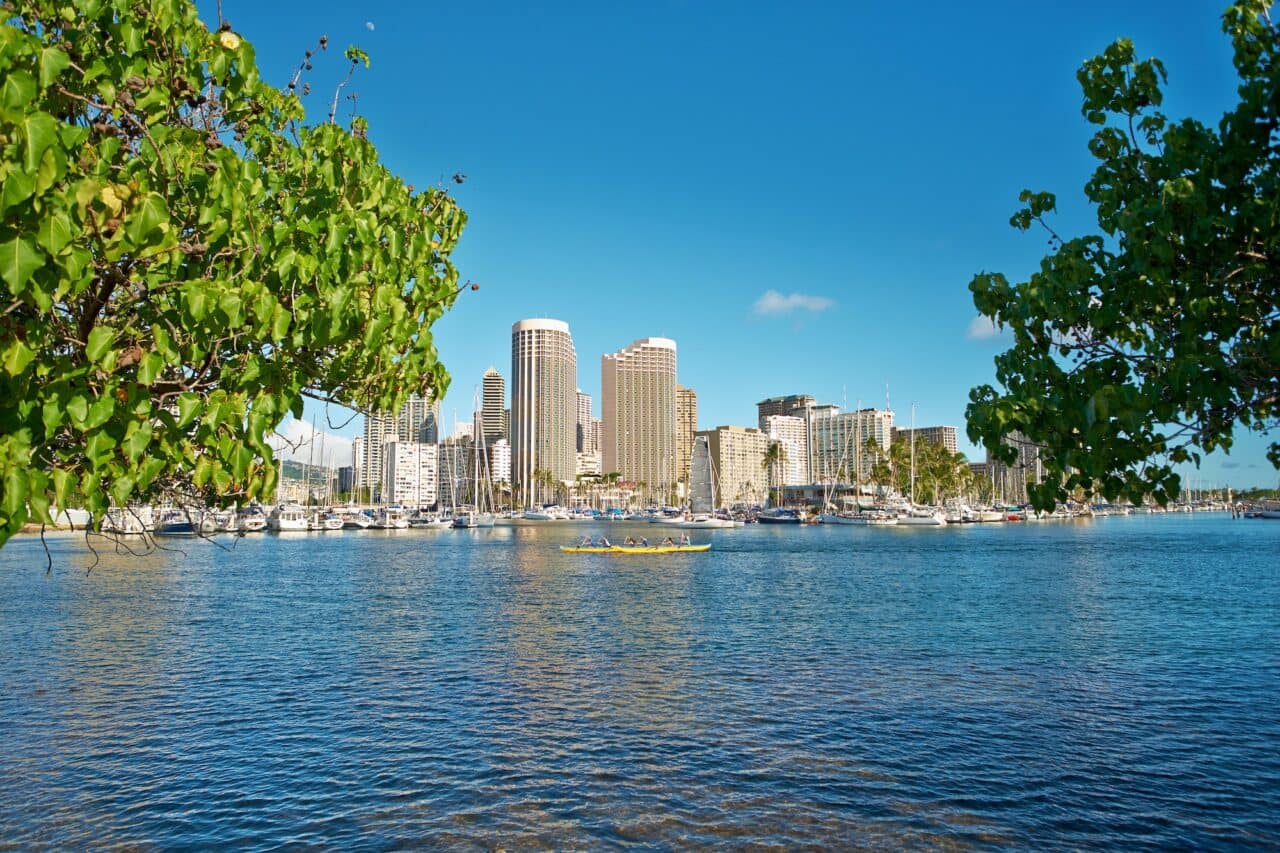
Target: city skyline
799,250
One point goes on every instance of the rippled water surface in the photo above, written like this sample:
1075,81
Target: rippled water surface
1114,683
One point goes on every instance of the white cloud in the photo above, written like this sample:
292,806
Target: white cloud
774,302
368,25
982,328
295,440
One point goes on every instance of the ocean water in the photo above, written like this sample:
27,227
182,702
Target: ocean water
1113,683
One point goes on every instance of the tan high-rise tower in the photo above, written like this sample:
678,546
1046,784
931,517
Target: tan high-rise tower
638,399
544,401
686,426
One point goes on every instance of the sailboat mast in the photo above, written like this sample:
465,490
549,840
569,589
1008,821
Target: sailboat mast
913,454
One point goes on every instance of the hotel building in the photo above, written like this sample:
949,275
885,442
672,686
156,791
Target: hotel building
792,433
638,400
838,443
944,436
544,372
737,460
686,426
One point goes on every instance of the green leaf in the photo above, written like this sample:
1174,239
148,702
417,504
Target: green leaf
52,63
63,481
41,131
17,357
54,233
17,91
52,414
188,407
149,367
98,446
78,408
100,340
197,301
136,444
146,217
100,412
18,187
19,259
15,493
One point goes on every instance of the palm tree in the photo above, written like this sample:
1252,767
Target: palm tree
774,456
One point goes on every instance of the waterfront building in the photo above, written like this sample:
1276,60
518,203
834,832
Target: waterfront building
588,440
409,472
686,426
544,372
499,460
793,405
493,412
792,433
638,401
346,481
944,436
737,463
419,420
838,443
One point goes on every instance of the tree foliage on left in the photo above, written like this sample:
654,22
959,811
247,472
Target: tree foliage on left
183,260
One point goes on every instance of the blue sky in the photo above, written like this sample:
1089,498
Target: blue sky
661,168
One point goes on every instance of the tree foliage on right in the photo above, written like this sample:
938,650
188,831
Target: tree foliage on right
1150,343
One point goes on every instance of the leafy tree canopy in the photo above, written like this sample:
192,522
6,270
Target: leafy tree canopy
1148,344
182,261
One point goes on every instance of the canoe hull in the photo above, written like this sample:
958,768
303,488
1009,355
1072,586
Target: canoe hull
639,549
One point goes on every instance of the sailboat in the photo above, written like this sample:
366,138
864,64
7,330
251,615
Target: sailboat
702,491
478,515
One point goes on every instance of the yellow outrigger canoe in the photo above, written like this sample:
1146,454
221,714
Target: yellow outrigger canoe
634,549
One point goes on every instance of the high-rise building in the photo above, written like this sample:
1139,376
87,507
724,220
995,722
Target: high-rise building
587,439
944,436
793,405
840,449
377,427
638,400
686,426
792,433
493,414
464,430
409,472
737,460
544,374
419,420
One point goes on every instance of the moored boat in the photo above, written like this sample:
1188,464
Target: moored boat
287,518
